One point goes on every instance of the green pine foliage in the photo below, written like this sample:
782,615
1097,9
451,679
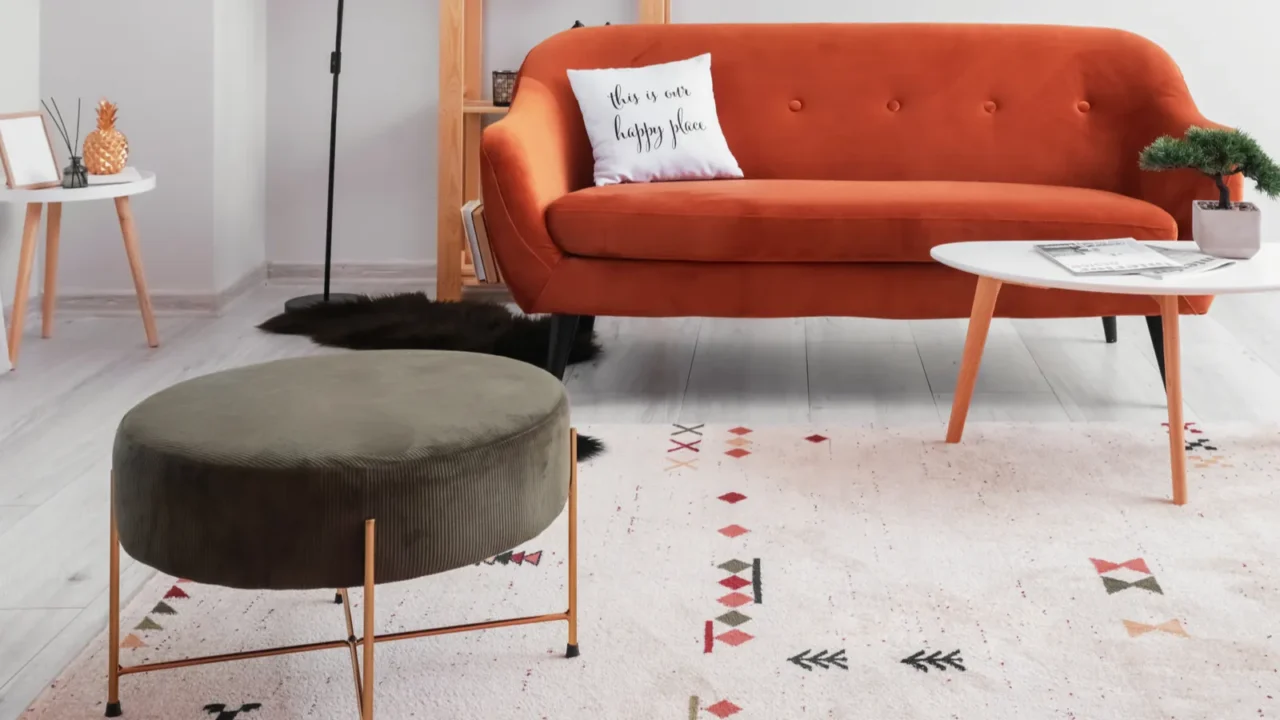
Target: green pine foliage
1218,153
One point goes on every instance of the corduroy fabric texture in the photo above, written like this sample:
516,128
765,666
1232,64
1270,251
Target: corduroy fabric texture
262,477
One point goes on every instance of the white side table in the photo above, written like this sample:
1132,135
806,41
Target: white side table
36,200
1018,263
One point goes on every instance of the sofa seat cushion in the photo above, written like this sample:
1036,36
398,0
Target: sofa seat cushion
834,220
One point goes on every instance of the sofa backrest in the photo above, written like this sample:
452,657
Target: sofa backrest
1049,105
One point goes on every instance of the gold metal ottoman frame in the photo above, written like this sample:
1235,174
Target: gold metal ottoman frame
361,672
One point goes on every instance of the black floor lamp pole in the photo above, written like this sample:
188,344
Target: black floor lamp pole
335,68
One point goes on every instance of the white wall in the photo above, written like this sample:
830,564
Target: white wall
153,58
190,80
19,92
385,210
239,140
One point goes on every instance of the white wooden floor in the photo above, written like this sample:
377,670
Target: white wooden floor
58,412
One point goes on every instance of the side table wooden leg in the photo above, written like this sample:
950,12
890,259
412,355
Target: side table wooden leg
1173,389
984,306
130,232
26,261
52,236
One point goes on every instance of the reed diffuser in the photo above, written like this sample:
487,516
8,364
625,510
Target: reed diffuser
74,175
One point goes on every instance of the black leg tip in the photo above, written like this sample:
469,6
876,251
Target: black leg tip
571,651
337,598
113,709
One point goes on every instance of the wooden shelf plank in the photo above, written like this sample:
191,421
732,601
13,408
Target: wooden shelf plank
461,28
483,107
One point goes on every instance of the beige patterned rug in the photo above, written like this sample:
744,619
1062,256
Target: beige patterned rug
772,573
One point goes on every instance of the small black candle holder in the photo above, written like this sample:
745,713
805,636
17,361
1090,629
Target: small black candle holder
504,87
75,175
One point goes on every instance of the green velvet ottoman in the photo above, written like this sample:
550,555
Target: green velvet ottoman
341,471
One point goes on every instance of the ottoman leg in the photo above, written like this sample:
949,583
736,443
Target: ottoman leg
366,697
113,612
572,650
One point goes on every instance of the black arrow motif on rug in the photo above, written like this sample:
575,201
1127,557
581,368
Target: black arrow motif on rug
224,714
939,661
821,660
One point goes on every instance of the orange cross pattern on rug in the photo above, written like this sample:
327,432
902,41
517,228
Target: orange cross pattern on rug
677,463
1211,461
1173,627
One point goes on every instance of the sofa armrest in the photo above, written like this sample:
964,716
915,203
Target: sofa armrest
529,159
1175,190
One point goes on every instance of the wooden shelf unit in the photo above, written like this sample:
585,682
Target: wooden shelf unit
462,109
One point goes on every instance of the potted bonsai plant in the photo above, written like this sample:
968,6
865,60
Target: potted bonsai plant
1222,228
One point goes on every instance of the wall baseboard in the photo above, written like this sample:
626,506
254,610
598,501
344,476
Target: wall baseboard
285,273
168,304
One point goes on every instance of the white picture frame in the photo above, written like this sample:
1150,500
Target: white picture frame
26,150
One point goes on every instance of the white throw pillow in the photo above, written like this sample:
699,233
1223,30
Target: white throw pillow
654,123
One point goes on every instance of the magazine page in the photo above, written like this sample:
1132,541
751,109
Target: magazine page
1110,257
1189,261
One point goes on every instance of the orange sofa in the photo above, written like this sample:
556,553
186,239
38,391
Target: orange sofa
863,146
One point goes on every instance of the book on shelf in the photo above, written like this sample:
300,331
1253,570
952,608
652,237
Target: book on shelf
1126,256
482,258
468,221
486,250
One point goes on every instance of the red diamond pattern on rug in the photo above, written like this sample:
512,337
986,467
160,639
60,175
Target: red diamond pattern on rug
817,438
740,431
738,453
733,498
734,600
733,582
735,637
733,531
724,709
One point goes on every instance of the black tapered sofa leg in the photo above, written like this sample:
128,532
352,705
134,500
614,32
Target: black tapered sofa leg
587,324
564,328
1109,328
1155,326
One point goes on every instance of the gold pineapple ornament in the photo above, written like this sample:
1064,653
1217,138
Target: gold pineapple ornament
106,150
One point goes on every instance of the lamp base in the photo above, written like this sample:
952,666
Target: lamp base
303,302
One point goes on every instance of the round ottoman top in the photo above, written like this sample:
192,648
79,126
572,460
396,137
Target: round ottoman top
348,408
262,477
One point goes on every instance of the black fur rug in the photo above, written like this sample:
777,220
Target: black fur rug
413,321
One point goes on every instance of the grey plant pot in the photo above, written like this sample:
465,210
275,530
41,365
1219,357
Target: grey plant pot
1234,233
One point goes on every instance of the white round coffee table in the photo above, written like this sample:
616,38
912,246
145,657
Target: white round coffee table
1018,263
36,200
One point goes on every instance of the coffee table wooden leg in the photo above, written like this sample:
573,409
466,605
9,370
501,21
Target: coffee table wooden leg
984,306
130,232
52,236
1173,388
26,261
